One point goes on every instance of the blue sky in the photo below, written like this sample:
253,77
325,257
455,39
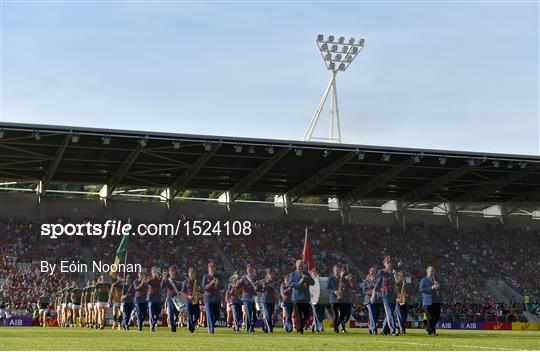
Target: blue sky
443,75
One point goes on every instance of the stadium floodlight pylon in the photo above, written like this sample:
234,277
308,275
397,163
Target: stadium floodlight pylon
337,54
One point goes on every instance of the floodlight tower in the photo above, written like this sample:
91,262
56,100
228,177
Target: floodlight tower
337,56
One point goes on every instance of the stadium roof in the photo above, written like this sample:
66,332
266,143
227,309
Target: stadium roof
122,158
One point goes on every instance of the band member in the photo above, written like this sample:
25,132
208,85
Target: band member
402,302
300,280
339,294
233,298
172,285
153,297
128,291
429,288
248,287
317,311
191,291
43,305
102,298
387,287
286,302
374,307
76,297
141,307
115,297
213,287
268,288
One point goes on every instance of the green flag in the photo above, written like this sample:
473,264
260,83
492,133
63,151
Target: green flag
120,255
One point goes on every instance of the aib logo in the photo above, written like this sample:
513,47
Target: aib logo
497,326
525,326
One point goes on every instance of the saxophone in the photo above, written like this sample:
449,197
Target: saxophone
341,288
403,295
196,292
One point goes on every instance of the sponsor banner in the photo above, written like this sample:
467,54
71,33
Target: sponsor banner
526,326
498,325
462,325
23,321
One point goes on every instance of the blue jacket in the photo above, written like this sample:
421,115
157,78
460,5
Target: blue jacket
248,289
386,284
187,289
268,290
367,287
212,294
429,296
286,292
333,285
300,291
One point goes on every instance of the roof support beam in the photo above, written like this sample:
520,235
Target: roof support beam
307,185
122,170
417,194
53,166
532,196
183,180
375,182
244,184
497,184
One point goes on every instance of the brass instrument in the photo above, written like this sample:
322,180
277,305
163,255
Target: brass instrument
196,292
341,287
403,296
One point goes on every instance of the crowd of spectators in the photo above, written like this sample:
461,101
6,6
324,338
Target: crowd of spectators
464,258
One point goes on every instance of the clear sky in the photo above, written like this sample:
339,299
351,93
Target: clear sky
445,75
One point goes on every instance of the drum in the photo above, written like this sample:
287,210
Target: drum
319,292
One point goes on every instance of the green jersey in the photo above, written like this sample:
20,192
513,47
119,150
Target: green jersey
43,302
76,294
102,291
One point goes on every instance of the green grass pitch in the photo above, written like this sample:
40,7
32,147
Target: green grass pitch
37,338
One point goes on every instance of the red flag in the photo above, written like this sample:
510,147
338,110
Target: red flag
307,256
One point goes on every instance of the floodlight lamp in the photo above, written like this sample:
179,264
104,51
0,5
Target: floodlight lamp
36,135
510,165
176,144
332,65
442,160
75,138
341,40
238,148
320,38
496,163
207,147
328,56
351,41
251,150
361,42
348,58
334,48
355,49
330,38
298,151
326,153
324,47
106,140
345,49
270,149
522,164
386,157
361,156
341,67
337,57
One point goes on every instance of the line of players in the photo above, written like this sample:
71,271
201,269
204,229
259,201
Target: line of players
137,299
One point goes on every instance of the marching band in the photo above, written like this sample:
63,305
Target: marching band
198,302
